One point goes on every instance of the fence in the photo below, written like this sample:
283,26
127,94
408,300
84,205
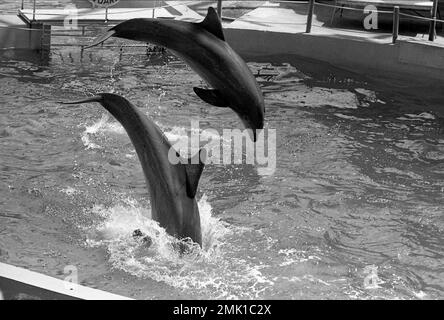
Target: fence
396,17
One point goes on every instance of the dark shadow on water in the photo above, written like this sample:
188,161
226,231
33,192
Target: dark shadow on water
33,56
326,75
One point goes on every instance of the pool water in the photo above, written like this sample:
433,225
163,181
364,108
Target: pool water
352,211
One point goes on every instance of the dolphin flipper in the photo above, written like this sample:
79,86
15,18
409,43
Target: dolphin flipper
194,172
211,96
212,24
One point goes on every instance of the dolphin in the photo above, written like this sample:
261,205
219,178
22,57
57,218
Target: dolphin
172,187
203,47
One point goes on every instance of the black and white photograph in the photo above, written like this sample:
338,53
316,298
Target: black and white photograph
226,152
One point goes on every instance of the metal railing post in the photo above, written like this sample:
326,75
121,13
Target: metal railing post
310,15
395,23
219,8
23,4
33,12
432,30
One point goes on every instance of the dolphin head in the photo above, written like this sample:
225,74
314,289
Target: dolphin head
253,116
253,122
249,105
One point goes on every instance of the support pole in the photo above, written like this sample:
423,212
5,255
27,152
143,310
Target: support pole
45,41
23,4
154,9
33,12
106,14
395,23
219,8
310,15
432,29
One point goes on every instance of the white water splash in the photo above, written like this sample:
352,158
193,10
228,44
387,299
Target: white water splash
93,129
372,280
213,270
420,295
294,256
70,191
102,126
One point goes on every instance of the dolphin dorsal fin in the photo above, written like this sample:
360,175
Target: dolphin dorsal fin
212,24
194,172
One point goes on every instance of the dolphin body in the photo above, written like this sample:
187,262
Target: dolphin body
172,188
203,47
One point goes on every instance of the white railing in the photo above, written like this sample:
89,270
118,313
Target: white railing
22,6
396,17
310,11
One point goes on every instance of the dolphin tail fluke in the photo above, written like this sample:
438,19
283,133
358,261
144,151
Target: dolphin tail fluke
101,39
87,100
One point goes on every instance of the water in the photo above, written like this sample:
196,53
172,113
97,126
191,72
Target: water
353,210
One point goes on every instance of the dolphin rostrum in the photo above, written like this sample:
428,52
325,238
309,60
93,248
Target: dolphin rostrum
172,187
203,47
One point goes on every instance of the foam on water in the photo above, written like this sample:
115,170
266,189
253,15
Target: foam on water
70,191
294,256
102,126
93,129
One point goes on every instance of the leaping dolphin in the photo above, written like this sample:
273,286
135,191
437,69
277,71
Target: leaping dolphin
203,47
172,188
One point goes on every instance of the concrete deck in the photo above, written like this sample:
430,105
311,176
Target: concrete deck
279,29
274,17
19,283
14,34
